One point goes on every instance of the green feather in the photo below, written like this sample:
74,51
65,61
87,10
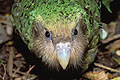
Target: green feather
107,4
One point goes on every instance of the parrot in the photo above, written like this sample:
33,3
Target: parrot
62,33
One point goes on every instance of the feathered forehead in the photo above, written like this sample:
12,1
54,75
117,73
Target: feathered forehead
58,28
61,26
61,29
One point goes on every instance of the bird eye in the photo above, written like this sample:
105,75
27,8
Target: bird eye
47,34
75,32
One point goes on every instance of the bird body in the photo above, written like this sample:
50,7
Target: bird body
61,32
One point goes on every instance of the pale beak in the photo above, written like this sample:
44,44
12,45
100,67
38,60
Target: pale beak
63,53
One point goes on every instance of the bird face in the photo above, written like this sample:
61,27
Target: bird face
60,44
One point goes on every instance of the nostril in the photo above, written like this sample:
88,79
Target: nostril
58,46
68,45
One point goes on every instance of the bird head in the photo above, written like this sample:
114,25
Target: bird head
59,34
60,44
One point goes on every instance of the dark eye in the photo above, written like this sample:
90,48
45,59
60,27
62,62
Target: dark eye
47,34
75,32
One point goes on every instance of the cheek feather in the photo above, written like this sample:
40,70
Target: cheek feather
77,52
46,51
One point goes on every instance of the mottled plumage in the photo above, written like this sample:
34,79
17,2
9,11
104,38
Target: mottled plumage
61,32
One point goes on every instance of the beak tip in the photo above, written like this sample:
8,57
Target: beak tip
64,61
64,65
63,68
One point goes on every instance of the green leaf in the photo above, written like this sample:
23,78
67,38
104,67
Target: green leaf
107,4
117,60
1,61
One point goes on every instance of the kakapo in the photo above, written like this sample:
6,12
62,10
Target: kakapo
63,33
